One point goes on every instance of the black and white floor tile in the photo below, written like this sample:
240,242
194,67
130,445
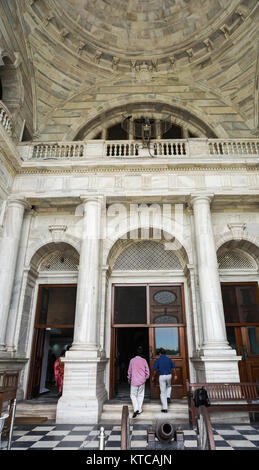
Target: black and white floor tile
86,437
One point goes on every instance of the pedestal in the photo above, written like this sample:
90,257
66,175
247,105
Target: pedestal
83,390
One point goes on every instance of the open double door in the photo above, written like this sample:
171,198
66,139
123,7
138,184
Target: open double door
151,316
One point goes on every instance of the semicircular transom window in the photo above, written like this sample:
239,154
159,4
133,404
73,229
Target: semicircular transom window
236,259
147,255
165,297
60,261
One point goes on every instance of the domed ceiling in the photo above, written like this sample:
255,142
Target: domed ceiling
83,58
134,27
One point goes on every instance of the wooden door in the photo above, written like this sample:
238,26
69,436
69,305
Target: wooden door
159,310
167,330
114,361
241,308
176,337
38,344
53,311
39,337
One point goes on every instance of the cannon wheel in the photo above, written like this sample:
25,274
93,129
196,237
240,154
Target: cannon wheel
125,428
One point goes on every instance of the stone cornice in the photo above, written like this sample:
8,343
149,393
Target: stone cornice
166,168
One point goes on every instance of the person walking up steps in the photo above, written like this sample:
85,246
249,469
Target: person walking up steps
138,373
164,366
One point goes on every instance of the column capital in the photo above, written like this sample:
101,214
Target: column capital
196,198
18,202
85,198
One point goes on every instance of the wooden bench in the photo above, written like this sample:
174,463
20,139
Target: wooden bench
8,391
238,396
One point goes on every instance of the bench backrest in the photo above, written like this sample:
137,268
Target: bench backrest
8,380
227,391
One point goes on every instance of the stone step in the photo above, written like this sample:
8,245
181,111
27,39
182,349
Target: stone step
47,410
177,412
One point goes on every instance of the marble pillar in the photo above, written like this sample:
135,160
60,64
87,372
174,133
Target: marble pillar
217,361
13,325
8,254
84,390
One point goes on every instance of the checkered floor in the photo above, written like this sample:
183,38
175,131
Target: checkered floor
85,437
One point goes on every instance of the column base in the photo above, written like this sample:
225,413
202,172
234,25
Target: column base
83,389
217,366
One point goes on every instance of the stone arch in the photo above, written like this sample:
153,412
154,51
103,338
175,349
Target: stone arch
47,244
244,245
153,108
44,251
35,256
236,232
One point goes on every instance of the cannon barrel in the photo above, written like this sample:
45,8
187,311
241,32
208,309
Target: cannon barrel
164,431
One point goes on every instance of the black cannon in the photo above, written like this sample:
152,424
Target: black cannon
165,436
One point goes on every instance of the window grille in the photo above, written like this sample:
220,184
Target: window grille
236,259
147,255
60,261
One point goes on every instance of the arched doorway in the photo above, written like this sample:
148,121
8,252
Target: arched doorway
53,329
238,265
148,309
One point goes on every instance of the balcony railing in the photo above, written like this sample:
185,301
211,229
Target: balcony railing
5,119
128,149
234,147
58,151
136,149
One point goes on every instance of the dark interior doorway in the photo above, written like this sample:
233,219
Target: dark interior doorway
128,339
56,341
53,333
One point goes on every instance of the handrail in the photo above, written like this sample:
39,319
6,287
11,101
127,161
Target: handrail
205,436
125,428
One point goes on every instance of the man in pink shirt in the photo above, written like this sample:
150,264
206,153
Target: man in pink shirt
138,373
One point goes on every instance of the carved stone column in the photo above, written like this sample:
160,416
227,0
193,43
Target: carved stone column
13,325
219,359
84,390
8,256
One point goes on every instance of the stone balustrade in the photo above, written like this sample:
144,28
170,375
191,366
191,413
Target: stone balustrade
54,151
233,147
126,149
5,119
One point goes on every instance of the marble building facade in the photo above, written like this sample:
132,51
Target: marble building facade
68,189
